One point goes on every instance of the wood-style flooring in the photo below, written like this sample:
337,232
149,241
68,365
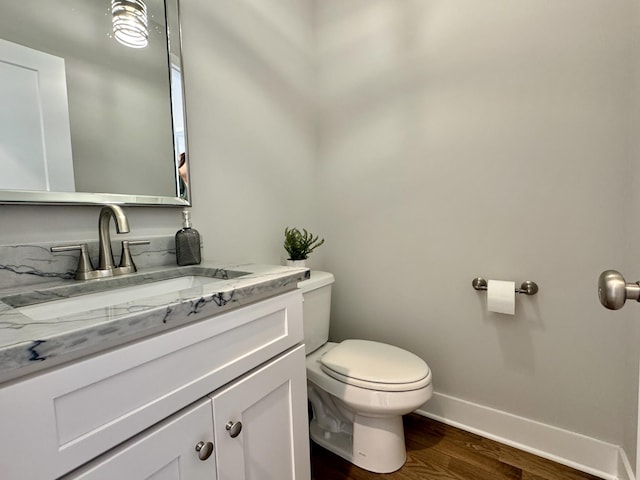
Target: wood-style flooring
437,452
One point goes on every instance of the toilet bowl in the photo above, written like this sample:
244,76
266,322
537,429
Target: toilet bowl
358,389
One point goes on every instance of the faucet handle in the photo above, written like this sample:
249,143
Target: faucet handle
85,267
126,261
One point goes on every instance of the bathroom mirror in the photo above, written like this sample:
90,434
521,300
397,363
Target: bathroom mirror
85,117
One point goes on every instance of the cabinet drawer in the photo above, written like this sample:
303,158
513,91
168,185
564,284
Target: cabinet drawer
70,415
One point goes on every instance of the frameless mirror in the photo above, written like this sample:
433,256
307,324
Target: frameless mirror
91,103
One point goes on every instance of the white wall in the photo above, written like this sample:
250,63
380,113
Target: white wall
249,84
28,224
489,138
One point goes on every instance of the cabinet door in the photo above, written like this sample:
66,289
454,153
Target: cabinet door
261,424
165,452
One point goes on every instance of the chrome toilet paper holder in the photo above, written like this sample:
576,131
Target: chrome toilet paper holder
527,287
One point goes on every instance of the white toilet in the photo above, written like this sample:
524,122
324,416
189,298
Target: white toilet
358,389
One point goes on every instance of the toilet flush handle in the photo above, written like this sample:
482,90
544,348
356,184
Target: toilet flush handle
613,290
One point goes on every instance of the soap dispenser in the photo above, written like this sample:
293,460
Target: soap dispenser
187,242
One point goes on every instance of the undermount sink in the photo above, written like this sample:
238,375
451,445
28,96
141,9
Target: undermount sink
94,294
119,296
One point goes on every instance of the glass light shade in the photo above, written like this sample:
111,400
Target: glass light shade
130,25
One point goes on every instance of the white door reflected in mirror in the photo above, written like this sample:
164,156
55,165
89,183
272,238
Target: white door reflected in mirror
34,107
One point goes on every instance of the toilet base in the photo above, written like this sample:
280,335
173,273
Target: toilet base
377,443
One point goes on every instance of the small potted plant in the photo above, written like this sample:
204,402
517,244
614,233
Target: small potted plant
299,245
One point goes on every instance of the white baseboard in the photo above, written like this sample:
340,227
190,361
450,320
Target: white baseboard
578,451
625,472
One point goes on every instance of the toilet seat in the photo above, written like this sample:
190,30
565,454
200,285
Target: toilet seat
365,401
375,366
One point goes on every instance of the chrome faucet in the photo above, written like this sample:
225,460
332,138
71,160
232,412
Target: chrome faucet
106,263
105,254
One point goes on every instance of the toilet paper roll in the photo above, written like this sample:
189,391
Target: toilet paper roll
501,297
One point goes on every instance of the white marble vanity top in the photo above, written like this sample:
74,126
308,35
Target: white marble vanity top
32,343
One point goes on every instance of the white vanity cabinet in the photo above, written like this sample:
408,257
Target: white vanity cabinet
166,452
139,410
250,429
260,423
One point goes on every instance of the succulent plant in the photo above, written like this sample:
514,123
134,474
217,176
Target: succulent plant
300,244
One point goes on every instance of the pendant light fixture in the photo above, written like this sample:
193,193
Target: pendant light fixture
130,25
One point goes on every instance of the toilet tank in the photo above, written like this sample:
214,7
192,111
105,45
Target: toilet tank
316,309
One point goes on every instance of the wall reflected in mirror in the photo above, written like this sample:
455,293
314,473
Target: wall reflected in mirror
84,113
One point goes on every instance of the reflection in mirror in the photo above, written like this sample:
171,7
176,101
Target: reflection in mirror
84,113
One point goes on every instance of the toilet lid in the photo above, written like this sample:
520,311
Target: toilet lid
375,365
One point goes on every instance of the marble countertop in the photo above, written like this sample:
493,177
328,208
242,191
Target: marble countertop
27,345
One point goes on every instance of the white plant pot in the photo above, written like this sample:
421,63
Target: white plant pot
296,263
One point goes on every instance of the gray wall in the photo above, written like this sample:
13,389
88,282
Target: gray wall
489,138
250,78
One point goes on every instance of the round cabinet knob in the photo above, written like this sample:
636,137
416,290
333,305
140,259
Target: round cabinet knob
204,450
234,428
613,290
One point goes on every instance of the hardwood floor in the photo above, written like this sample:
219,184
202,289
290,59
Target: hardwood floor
436,451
